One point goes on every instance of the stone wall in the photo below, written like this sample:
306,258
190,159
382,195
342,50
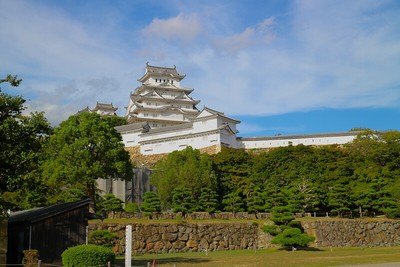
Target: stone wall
3,242
354,233
158,237
148,161
187,237
140,160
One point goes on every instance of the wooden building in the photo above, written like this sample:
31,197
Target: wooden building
50,230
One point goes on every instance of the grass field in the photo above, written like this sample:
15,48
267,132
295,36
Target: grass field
272,257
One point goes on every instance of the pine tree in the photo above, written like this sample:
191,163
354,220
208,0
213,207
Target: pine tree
208,200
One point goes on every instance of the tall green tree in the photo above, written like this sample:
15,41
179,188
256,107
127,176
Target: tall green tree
339,199
232,168
187,168
22,137
256,200
82,149
182,200
233,202
151,202
208,200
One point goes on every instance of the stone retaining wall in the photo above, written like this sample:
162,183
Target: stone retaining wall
159,237
354,233
187,237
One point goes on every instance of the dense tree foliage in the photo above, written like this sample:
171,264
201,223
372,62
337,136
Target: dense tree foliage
151,202
42,166
208,200
286,231
21,140
82,149
360,178
182,200
186,169
110,202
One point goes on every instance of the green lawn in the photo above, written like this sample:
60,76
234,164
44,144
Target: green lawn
272,257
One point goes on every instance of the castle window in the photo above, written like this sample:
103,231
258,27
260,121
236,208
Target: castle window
172,82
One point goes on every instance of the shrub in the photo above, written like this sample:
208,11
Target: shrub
132,208
111,203
103,238
151,202
271,229
87,255
286,231
293,237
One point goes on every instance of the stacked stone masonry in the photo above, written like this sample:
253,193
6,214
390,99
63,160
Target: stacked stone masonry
188,237
157,237
149,161
354,233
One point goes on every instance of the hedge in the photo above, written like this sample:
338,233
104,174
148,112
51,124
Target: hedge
87,255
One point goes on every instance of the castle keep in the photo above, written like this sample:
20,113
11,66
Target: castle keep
162,117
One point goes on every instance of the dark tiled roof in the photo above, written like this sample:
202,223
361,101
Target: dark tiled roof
100,106
177,127
38,214
160,71
131,127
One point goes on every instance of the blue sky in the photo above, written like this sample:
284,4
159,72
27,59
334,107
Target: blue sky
281,67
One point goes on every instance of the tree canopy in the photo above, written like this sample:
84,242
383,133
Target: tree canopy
82,149
188,169
22,137
361,177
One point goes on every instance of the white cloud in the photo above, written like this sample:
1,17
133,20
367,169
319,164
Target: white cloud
182,27
319,54
336,55
260,34
59,59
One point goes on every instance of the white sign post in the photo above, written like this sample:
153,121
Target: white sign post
128,246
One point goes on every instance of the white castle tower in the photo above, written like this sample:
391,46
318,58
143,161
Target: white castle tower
161,101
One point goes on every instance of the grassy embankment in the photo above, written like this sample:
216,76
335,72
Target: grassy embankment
272,257
265,257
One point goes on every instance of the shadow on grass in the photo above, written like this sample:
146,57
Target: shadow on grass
171,260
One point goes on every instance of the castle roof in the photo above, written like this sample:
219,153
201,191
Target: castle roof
160,71
208,112
139,126
166,86
173,128
104,106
